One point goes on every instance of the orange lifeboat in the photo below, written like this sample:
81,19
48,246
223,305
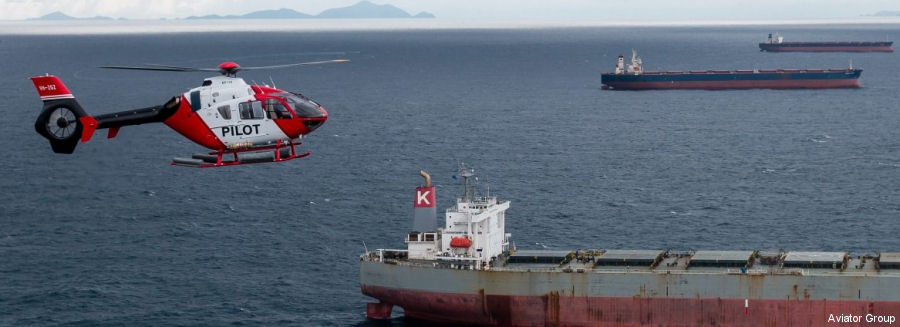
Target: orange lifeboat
460,242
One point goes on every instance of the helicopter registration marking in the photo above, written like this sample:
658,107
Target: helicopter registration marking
239,130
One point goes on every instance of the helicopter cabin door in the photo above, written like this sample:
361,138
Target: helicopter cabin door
251,122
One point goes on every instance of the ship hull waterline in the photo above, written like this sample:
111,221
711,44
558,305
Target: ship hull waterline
735,79
735,85
561,310
827,47
627,298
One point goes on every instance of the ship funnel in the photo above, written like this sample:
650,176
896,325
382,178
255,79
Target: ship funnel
424,209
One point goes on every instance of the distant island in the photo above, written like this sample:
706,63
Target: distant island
282,13
366,9
363,9
61,16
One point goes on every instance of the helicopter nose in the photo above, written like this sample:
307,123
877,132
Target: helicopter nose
313,123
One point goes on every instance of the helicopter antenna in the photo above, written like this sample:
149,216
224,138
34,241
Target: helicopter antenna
273,82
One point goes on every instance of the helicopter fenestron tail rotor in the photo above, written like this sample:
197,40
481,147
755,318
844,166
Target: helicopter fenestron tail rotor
62,123
62,120
228,68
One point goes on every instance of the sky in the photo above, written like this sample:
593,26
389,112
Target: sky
470,9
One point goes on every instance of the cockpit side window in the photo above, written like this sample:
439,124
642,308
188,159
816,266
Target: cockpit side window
225,112
276,110
251,110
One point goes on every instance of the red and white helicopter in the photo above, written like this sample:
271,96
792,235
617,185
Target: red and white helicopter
251,123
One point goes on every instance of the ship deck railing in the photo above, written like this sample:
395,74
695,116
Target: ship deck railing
551,268
667,262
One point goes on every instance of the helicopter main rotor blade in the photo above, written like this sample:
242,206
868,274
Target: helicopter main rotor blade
187,69
229,70
298,64
161,68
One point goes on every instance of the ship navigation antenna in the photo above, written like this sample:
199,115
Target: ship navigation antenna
851,63
467,174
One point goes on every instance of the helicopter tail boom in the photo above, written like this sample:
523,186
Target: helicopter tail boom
64,122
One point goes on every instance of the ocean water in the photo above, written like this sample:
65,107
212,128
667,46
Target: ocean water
112,235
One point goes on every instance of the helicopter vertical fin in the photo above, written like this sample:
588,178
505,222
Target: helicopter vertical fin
90,125
62,121
50,87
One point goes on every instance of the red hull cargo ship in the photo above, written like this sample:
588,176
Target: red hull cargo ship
467,273
634,77
777,44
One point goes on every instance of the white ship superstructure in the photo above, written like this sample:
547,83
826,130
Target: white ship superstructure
474,232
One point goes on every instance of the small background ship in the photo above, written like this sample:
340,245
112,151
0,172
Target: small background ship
633,77
777,44
467,273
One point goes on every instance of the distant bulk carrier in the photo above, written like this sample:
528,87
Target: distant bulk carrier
467,273
777,44
634,77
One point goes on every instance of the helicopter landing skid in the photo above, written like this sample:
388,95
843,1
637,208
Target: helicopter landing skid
277,153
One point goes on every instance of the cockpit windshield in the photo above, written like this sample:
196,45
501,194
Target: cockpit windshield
303,106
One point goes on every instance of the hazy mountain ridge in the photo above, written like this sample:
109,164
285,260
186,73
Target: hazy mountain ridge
282,13
366,9
58,15
362,9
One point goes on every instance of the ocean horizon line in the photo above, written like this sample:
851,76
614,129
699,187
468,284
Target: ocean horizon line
92,27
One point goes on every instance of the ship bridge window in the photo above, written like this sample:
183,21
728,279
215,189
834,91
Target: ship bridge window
276,110
225,112
251,110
